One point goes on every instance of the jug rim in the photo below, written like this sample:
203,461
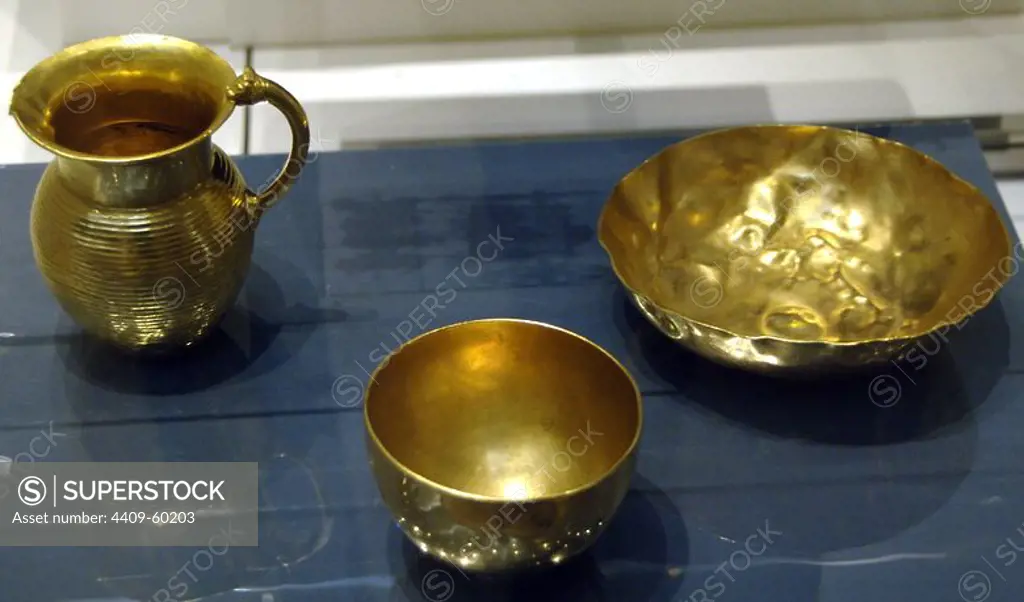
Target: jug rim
107,46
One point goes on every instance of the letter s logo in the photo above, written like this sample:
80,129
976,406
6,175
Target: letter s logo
437,586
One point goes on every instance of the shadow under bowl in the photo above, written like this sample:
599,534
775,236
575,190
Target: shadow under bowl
502,444
802,249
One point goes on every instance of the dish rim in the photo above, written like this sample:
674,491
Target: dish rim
905,339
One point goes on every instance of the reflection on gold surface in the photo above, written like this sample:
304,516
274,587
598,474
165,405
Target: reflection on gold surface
799,247
501,444
141,227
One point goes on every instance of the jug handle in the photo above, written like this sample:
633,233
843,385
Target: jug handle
251,88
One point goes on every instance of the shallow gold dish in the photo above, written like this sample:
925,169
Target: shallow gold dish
802,249
502,444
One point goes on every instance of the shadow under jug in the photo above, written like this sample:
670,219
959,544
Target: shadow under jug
141,227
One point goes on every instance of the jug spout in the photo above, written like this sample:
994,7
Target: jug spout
130,118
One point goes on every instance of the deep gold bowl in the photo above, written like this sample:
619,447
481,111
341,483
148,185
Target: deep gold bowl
802,249
502,444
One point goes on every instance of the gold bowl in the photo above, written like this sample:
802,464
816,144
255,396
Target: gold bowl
502,444
802,250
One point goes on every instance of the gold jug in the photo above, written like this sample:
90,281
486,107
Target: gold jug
141,227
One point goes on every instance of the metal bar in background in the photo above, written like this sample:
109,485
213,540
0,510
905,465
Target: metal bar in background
247,109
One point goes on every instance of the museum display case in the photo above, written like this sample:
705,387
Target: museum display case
507,300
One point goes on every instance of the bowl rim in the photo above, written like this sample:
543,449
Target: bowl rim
943,325
626,455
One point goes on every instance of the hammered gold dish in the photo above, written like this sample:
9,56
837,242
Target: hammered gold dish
502,444
802,249
141,227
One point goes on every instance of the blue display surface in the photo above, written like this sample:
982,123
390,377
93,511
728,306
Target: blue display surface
899,484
